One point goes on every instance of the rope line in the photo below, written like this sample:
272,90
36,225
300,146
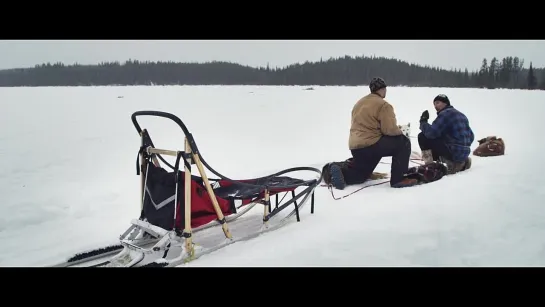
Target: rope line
330,186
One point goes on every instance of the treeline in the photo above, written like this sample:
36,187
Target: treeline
508,72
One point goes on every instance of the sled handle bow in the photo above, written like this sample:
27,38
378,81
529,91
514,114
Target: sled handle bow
194,149
170,116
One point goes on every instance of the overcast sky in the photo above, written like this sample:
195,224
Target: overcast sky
446,54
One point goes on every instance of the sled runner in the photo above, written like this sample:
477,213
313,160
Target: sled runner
180,211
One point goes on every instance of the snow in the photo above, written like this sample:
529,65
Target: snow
68,161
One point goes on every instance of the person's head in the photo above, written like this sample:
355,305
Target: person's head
378,86
440,102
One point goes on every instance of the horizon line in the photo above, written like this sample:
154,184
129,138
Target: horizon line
276,67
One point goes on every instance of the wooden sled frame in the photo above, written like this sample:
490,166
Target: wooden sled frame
191,156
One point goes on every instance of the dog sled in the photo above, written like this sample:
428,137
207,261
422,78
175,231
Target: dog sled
181,212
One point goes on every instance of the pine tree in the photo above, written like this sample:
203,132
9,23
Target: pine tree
542,83
532,80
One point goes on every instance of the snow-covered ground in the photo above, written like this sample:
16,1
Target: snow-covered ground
68,174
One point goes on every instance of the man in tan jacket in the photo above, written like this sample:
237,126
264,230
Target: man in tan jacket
374,134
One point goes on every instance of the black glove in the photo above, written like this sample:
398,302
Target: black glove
425,116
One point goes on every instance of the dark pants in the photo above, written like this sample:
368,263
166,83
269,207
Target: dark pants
437,146
366,159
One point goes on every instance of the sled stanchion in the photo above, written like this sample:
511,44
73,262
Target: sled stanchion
296,207
312,203
212,195
266,207
142,167
179,155
304,193
187,202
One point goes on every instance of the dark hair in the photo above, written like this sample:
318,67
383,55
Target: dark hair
442,98
376,84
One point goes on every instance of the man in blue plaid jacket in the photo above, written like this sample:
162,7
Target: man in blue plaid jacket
448,138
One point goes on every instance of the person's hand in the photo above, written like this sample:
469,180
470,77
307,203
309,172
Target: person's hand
425,116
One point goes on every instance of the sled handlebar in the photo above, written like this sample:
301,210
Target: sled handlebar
194,149
170,116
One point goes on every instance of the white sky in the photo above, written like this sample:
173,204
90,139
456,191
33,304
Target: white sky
446,54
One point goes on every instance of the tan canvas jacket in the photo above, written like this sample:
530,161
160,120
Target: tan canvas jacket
372,117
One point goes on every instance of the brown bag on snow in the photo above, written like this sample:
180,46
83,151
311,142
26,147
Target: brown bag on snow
489,147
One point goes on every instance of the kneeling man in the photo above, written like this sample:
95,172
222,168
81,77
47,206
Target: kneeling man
448,138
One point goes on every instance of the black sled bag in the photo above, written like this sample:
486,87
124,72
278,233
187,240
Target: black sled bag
427,173
159,197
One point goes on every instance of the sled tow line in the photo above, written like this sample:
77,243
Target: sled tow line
330,186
